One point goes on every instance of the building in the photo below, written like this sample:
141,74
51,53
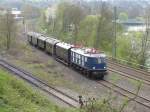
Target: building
133,25
16,14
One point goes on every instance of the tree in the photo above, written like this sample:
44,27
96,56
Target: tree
60,15
30,11
71,15
123,16
75,14
8,27
145,39
104,28
87,30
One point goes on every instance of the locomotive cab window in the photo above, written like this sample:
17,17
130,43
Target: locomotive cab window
98,60
103,60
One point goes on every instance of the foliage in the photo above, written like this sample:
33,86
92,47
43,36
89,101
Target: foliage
86,32
123,16
8,29
74,24
71,15
30,11
106,104
104,28
17,96
139,18
128,46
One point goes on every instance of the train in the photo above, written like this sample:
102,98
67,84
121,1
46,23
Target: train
88,61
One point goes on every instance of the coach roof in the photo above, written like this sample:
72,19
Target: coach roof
64,45
52,40
42,38
34,34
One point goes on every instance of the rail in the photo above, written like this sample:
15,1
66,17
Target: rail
72,102
130,64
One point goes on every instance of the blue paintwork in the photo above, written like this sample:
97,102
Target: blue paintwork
89,63
92,63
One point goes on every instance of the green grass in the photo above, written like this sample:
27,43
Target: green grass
135,82
114,77
18,96
47,71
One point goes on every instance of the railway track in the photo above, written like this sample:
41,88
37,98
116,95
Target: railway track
129,72
126,93
119,62
110,61
72,102
65,98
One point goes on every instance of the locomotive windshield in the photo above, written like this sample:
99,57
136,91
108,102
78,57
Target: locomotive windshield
100,60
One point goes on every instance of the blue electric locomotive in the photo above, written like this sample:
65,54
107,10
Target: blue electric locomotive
91,63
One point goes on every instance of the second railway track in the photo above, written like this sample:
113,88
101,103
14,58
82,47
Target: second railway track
111,61
129,72
72,102
139,99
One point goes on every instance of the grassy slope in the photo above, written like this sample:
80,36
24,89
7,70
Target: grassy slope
17,96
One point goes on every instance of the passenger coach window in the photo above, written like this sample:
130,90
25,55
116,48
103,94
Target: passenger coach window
82,58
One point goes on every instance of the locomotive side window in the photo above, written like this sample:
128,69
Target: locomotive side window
82,58
73,56
76,58
79,56
79,59
85,59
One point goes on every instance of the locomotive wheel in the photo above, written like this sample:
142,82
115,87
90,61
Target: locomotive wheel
102,77
89,75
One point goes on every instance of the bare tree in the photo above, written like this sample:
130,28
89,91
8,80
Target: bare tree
75,14
145,39
8,27
71,15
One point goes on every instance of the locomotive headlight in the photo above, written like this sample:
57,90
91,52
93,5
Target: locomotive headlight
104,67
93,67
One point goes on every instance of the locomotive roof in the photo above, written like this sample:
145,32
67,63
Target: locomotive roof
87,52
64,45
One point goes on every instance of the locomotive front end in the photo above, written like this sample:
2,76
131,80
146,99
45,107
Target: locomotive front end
97,65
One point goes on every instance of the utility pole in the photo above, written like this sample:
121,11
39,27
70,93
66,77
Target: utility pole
145,40
8,29
24,19
114,33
